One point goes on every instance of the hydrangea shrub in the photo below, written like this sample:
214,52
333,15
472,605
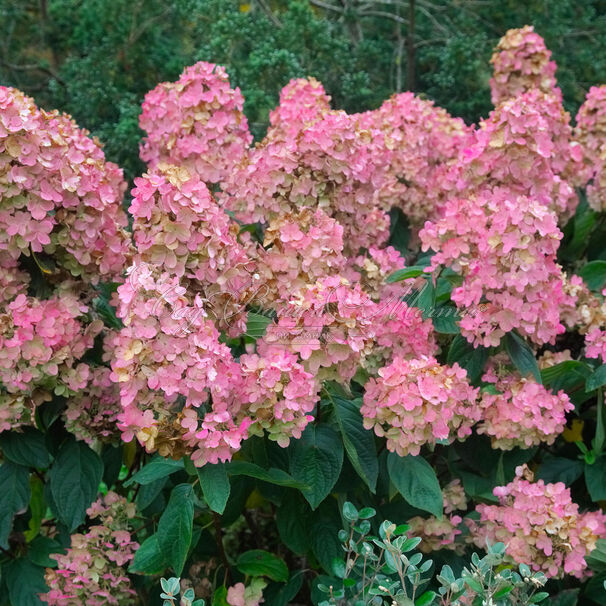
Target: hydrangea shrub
389,312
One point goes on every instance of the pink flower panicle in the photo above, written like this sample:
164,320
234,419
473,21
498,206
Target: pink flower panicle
519,411
196,122
540,525
590,132
504,246
168,360
418,402
521,62
278,393
58,195
442,533
93,571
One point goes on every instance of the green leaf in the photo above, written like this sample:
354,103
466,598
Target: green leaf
215,485
26,447
597,379
157,468
273,475
37,508
427,299
568,597
278,594
148,493
149,558
259,563
416,481
522,356
256,324
595,478
176,525
470,358
594,275
41,548
24,581
359,442
316,461
15,491
293,524
414,271
560,469
220,596
74,481
445,320
324,531
425,599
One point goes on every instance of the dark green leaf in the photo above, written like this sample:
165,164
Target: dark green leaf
445,320
595,478
522,356
324,530
149,558
568,597
359,442
594,275
175,527
25,581
470,358
416,481
256,324
26,447
272,475
148,493
597,379
293,524
15,494
559,469
74,481
215,485
41,548
257,563
157,468
414,271
316,461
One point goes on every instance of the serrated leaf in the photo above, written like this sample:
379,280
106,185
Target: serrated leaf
74,481
359,442
522,356
24,581
595,478
470,358
157,468
256,324
594,275
416,481
293,524
316,461
257,563
26,447
149,558
15,491
273,475
597,379
176,525
215,485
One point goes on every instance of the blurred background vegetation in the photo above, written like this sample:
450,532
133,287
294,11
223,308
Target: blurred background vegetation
96,59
